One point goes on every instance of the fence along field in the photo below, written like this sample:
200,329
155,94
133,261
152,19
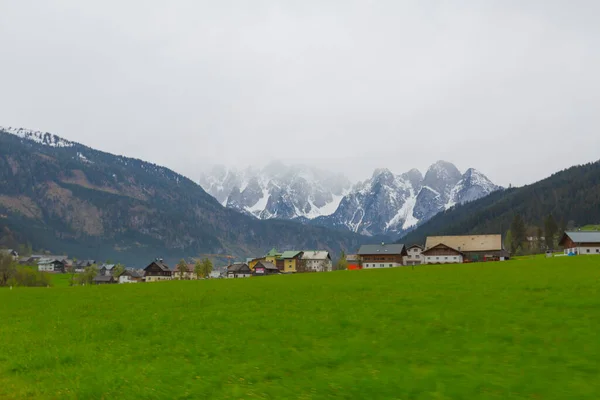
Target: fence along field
525,329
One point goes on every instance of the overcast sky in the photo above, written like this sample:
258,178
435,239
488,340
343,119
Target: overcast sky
511,88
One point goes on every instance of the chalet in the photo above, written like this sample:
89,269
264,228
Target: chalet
131,276
414,255
316,261
581,242
290,261
353,261
473,247
104,279
186,274
442,254
239,270
382,255
263,268
157,271
48,264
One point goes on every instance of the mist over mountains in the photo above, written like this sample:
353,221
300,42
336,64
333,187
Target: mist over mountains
385,204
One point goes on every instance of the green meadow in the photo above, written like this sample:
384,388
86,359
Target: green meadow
523,329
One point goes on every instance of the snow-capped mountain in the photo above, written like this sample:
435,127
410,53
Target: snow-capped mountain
394,204
277,190
44,138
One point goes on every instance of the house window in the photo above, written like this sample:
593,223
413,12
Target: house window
588,250
381,265
597,250
437,258
390,265
445,258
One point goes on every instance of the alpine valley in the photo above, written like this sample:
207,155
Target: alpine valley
62,196
385,204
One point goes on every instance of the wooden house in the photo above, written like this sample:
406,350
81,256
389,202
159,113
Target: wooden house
106,269
263,268
239,270
382,255
581,242
290,260
414,255
473,247
442,254
157,271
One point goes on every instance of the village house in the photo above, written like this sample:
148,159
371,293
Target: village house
289,261
272,256
442,254
353,261
131,276
316,261
414,255
263,268
106,269
104,279
474,248
239,270
581,242
253,261
382,255
187,274
157,271
81,265
51,264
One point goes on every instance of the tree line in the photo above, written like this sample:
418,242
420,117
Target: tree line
544,236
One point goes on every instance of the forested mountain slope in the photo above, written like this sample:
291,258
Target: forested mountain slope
66,197
571,195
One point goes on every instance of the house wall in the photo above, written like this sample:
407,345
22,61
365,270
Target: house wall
46,267
443,259
239,275
370,261
318,265
290,265
153,278
585,248
184,276
414,256
126,279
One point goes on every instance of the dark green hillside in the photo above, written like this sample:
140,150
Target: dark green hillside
93,204
572,195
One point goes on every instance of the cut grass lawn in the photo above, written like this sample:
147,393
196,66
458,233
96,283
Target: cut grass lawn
525,329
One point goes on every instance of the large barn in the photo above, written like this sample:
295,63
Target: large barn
473,247
581,242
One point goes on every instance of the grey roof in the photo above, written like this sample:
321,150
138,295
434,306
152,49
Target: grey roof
237,267
368,249
267,265
134,273
161,265
584,236
103,278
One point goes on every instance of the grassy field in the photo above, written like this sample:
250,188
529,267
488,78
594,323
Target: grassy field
526,329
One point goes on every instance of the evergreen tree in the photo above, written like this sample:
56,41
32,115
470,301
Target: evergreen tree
519,234
540,233
508,241
551,229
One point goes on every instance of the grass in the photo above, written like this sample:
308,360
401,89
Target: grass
525,329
